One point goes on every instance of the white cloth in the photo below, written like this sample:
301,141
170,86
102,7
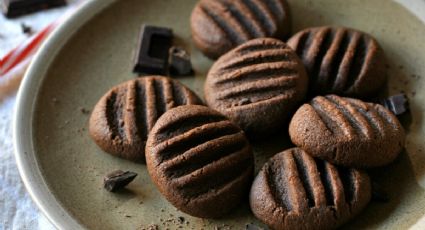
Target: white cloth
17,210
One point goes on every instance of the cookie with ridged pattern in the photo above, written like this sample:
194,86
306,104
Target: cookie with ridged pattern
200,161
347,131
258,85
296,191
121,120
341,61
220,25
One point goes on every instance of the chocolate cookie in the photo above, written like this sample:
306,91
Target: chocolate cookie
220,25
257,85
295,191
343,61
347,131
200,161
123,117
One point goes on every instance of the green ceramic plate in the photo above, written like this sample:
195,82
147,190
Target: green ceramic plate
63,169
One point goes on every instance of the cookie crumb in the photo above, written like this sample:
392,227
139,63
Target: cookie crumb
84,110
181,219
151,227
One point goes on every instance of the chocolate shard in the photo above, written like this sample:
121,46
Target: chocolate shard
117,180
26,29
180,64
153,47
15,8
397,104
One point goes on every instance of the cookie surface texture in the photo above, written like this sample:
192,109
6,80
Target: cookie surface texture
220,25
121,120
258,85
347,131
341,61
295,191
200,161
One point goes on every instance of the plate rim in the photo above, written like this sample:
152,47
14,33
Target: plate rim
25,157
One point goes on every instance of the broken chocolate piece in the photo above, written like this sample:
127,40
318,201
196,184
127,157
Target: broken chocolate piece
26,29
15,8
153,48
118,179
397,104
180,64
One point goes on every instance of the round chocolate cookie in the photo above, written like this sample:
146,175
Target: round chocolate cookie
219,26
258,85
339,60
347,131
121,120
200,161
295,191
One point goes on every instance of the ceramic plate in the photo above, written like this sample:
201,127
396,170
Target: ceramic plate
63,168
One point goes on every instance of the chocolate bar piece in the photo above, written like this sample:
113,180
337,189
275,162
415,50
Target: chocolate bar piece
15,8
117,180
180,64
153,48
397,104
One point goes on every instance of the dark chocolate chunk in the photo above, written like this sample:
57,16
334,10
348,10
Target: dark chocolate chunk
397,104
152,54
118,179
180,64
15,8
26,29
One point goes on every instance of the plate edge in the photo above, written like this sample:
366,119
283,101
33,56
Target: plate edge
23,147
